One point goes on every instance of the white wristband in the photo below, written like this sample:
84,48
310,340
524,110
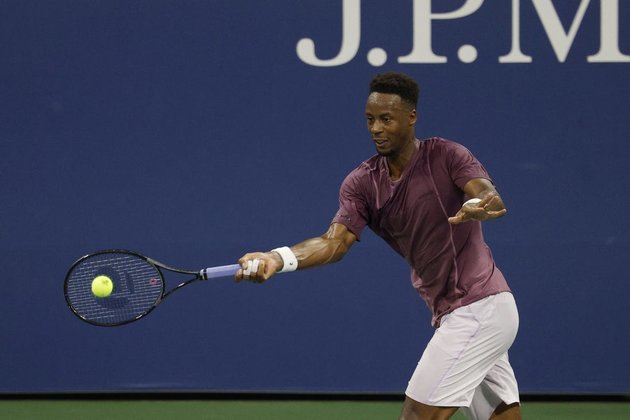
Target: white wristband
288,258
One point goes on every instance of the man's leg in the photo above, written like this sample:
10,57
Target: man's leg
413,410
507,412
471,342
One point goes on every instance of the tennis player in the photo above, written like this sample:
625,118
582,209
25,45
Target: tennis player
426,199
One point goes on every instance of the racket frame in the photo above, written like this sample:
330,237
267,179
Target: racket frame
197,275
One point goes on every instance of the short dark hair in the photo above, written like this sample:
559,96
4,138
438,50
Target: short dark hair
397,83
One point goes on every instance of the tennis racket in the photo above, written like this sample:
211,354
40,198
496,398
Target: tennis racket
138,285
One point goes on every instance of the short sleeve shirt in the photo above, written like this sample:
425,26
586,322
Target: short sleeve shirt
451,265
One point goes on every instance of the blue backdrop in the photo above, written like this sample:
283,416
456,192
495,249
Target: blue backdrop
195,131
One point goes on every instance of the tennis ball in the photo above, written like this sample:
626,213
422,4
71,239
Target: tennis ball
102,286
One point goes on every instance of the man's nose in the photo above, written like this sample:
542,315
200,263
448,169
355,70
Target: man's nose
376,127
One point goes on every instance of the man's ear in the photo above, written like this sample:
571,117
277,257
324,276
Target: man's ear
413,117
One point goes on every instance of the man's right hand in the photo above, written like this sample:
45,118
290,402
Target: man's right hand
258,267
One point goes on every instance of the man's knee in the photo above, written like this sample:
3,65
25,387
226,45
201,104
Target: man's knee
507,411
414,410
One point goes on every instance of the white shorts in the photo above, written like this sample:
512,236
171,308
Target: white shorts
466,362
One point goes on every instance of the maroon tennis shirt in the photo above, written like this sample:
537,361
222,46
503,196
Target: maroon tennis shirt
451,265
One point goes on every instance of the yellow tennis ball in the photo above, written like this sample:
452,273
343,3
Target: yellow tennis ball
102,286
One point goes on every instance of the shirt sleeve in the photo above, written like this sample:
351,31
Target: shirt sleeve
463,166
352,213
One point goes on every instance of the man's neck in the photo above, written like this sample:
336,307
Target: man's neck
397,163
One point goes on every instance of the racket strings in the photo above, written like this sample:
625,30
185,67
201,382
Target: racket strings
138,287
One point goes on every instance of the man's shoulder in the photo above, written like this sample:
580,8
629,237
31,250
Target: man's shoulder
367,167
363,175
443,148
440,142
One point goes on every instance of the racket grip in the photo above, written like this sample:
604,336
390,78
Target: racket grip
220,271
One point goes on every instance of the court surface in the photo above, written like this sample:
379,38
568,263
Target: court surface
33,409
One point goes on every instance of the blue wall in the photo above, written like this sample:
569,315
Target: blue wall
192,131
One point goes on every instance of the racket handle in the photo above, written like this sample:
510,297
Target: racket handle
220,271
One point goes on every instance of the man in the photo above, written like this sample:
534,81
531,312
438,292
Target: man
426,199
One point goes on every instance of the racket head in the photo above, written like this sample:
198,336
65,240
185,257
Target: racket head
138,287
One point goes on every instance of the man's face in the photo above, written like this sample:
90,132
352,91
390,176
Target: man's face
390,122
